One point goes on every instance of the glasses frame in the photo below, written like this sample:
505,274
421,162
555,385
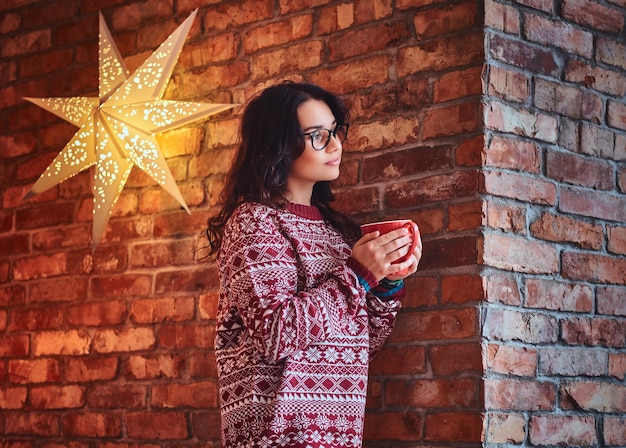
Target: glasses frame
331,133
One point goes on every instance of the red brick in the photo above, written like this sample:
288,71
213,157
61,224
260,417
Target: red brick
611,300
461,289
558,34
519,187
277,33
207,305
364,41
202,364
453,427
421,292
179,252
572,362
12,346
34,371
593,268
186,336
206,425
359,200
617,114
502,288
113,396
513,154
162,366
96,314
508,84
574,169
222,16
405,426
298,56
125,340
35,319
45,215
523,55
441,324
334,18
92,424
432,393
451,120
32,424
406,360
560,228
505,428
12,295
351,76
594,332
455,359
468,152
377,135
593,14
457,84
593,204
435,22
616,240
200,394
395,165
459,251
64,289
72,342
593,396
519,254
57,397
611,52
505,216
614,431
13,397
598,78
124,285
597,141
562,430
464,216
555,295
432,189
175,309
156,425
90,369
519,395
525,326
187,279
440,54
26,43
508,360
502,17
617,365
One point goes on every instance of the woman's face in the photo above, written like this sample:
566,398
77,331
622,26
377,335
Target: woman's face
314,165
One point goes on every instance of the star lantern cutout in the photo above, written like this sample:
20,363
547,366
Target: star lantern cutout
117,129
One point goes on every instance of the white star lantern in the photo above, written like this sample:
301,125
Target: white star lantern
116,130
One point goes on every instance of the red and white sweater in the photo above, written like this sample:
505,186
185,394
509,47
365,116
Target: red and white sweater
297,323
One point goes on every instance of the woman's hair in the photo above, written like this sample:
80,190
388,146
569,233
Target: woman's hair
270,140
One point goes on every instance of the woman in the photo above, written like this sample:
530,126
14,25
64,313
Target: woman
305,301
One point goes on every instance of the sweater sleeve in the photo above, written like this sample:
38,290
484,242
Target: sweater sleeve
262,270
383,305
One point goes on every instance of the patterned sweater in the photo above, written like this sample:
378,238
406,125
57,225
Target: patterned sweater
298,321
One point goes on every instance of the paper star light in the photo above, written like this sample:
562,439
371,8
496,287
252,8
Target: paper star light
117,129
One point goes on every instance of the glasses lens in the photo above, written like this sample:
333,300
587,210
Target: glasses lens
320,139
341,131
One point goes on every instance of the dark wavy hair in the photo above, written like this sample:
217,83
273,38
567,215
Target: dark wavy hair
270,140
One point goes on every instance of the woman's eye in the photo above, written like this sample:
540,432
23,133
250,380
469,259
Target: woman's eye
317,136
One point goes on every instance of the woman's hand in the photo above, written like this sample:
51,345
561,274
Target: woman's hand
377,253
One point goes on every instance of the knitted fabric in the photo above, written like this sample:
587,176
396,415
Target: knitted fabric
296,329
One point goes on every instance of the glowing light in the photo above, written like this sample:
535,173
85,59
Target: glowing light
116,130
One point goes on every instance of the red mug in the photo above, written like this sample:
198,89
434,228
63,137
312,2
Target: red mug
387,226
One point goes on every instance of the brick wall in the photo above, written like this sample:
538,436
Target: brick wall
522,217
554,214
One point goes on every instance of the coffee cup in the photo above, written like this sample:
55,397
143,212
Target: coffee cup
388,226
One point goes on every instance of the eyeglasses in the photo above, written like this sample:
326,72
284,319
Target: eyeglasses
320,138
